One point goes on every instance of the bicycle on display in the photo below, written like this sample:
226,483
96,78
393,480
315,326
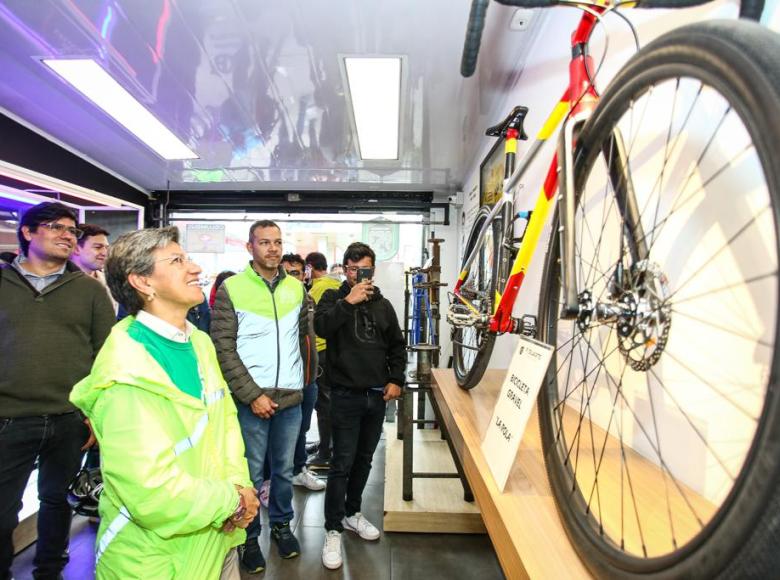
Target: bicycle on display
659,413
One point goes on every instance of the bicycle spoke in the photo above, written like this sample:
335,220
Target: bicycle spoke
667,155
663,473
711,259
742,335
662,463
695,429
745,282
604,445
721,394
692,172
693,195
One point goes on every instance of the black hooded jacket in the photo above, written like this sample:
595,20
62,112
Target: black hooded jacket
366,347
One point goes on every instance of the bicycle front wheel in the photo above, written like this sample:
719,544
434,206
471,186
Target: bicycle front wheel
659,415
472,345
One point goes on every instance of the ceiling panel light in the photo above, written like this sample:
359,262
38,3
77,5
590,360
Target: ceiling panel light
375,93
91,80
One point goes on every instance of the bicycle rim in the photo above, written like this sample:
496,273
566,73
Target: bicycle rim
653,422
473,345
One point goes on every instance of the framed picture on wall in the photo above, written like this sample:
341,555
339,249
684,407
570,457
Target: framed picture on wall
491,175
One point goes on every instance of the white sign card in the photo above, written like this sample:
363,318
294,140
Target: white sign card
523,380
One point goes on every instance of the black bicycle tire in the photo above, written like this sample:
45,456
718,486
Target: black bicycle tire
471,378
739,59
473,40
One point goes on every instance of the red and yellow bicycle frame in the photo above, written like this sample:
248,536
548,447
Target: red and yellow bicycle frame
577,102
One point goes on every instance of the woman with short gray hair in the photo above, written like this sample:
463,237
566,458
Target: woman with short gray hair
176,488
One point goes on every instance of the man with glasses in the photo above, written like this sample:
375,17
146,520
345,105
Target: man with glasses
366,363
258,325
54,320
294,266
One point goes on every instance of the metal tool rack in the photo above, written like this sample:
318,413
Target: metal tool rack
426,349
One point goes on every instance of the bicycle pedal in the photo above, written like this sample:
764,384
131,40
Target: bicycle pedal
526,326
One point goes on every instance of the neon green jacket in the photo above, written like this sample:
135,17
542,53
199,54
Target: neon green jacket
318,288
169,463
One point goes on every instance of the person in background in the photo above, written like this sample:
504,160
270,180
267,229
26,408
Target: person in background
176,487
320,282
91,252
200,315
337,270
258,324
366,363
218,281
294,266
90,255
54,320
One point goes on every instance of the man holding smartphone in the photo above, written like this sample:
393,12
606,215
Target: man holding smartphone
366,359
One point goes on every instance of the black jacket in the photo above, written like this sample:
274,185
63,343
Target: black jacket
366,347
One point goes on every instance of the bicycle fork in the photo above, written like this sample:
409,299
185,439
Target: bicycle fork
578,303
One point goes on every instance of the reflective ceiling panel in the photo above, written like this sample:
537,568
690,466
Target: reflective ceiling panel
256,88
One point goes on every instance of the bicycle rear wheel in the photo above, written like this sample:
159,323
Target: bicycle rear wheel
473,345
659,416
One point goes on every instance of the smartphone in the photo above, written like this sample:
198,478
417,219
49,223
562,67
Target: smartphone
365,274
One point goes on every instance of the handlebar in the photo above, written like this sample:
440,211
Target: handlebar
749,9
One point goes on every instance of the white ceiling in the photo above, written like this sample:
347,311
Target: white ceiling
255,87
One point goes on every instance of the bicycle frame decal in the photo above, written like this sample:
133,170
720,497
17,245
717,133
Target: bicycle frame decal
502,316
552,122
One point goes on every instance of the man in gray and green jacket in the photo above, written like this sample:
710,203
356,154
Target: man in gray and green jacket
258,325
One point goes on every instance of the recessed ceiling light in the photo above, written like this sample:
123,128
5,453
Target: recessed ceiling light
92,81
375,93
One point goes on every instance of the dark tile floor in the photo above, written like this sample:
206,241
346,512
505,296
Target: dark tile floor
394,557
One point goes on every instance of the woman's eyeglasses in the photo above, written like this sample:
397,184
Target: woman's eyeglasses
178,260
59,229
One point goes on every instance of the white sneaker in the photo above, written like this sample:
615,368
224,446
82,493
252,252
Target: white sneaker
361,526
307,480
331,550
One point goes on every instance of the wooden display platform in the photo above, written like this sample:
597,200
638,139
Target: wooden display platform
523,523
438,505
25,533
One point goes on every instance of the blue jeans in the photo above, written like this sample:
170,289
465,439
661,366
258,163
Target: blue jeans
307,407
277,436
55,441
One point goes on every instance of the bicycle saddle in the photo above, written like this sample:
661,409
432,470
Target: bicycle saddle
513,121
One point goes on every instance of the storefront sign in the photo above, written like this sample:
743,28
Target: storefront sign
513,409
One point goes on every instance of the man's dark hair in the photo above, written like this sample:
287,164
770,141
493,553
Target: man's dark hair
262,224
91,230
356,251
43,213
317,261
293,259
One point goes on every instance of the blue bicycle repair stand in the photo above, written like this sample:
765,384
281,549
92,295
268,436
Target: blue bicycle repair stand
421,308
